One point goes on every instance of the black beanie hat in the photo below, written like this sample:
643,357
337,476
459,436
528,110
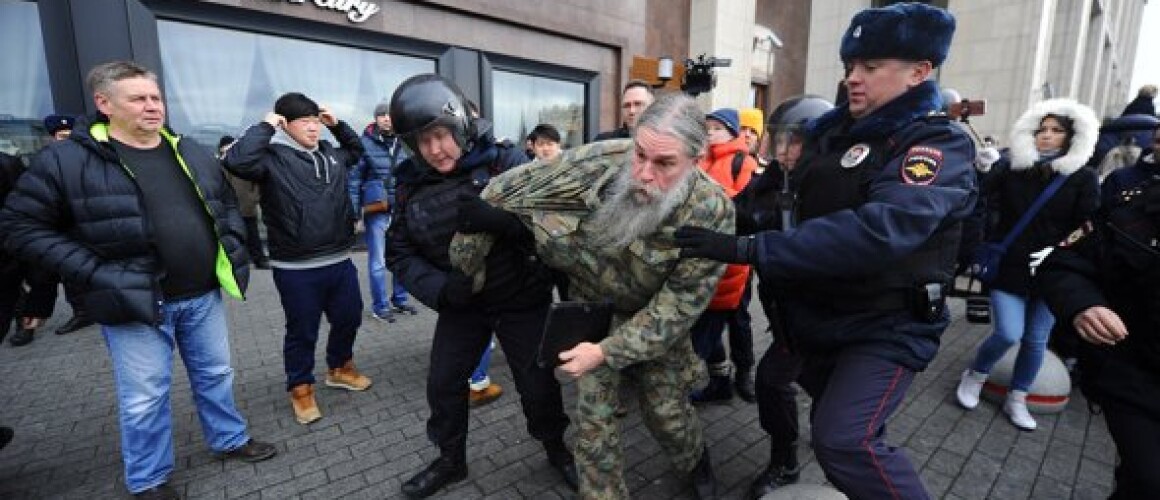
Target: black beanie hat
295,105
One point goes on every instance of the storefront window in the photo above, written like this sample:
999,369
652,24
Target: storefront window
25,94
522,101
220,81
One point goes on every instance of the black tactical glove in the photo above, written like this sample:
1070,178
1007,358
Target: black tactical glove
456,291
477,216
708,244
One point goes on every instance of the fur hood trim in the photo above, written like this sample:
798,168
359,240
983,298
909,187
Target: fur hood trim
1083,142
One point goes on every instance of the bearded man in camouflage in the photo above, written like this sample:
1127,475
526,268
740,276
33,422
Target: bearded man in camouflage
605,215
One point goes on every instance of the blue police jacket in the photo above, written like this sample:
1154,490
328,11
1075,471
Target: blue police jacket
878,218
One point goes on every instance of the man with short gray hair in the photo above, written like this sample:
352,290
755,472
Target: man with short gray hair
604,214
145,223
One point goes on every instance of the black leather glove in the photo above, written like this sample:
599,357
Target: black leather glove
704,243
456,290
477,216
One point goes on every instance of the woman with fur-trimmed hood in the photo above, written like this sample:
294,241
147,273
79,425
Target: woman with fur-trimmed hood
1053,138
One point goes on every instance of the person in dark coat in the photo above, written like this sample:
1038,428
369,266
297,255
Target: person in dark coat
1052,139
1143,103
1122,179
59,127
1103,281
455,157
863,274
371,187
636,95
146,224
248,196
34,305
310,223
764,205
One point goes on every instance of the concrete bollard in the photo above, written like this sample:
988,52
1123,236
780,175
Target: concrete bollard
804,492
1048,394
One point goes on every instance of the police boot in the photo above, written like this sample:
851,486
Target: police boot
720,386
75,323
743,384
783,469
447,469
704,483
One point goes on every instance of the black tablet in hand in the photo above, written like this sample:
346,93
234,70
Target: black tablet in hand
570,323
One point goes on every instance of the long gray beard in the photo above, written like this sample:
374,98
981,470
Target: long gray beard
623,218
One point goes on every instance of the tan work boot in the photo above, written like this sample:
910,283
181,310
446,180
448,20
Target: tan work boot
484,396
302,400
347,377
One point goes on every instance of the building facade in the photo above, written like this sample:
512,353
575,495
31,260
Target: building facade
222,63
1011,53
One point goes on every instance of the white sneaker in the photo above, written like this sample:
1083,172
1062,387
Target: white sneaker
969,388
1016,410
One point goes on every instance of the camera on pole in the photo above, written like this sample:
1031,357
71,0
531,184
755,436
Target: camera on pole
700,73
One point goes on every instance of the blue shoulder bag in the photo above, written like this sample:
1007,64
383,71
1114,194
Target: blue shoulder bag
988,255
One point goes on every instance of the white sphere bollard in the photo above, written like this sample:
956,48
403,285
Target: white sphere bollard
1050,391
804,492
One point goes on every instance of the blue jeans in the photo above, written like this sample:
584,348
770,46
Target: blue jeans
1017,319
479,376
376,235
142,358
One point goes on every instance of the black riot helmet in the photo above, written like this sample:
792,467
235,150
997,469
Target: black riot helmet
429,100
786,122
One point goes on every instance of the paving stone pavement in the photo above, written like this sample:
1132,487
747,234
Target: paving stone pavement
57,393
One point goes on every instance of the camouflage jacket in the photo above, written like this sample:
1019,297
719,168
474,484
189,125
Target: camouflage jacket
656,295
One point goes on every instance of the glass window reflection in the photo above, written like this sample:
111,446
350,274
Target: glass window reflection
523,101
220,81
25,93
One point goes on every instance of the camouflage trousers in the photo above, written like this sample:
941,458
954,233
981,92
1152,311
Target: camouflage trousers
663,393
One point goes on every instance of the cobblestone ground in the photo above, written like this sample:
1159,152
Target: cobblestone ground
57,393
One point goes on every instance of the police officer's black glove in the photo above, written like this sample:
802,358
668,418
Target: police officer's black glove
746,224
708,244
456,291
477,216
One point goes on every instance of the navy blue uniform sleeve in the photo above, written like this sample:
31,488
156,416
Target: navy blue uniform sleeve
898,217
245,158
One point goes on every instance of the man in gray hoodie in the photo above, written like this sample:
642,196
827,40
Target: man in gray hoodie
310,223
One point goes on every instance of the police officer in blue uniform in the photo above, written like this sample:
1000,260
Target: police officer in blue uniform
863,274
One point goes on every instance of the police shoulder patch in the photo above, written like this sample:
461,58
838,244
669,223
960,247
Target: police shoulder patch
921,165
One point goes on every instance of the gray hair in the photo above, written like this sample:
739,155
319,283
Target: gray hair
678,115
102,76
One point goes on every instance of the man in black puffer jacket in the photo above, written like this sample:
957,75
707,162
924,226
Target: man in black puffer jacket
146,226
310,221
455,157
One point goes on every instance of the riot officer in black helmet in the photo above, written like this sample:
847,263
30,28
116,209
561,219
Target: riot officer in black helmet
453,157
766,204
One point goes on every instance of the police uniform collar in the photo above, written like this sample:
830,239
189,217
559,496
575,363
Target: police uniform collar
915,103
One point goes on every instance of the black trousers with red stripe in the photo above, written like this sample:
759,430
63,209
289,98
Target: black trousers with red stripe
854,394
